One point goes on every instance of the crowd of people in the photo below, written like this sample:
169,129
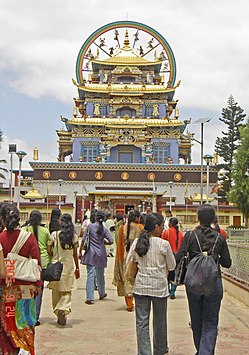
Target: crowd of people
154,244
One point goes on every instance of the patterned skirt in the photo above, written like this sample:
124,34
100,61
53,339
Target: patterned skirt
17,318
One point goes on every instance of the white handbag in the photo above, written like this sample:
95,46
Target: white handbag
26,269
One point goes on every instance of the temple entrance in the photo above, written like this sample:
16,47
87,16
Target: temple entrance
128,208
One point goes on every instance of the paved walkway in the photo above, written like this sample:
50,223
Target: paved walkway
106,328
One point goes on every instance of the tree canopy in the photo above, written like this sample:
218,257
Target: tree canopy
226,146
239,192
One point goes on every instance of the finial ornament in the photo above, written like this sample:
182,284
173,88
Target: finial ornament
126,40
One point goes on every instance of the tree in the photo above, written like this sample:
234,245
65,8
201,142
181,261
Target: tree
2,160
226,146
239,192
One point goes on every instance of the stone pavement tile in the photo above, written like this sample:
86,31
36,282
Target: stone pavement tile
106,328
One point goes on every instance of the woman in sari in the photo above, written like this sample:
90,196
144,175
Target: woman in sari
17,304
63,247
127,234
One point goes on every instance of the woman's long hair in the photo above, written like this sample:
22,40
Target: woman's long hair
10,216
143,243
67,231
173,221
206,215
54,224
100,217
35,219
133,214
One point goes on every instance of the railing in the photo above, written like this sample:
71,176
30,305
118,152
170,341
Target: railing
240,262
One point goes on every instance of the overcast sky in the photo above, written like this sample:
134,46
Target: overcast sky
40,41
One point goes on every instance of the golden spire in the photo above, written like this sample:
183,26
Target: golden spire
126,40
35,154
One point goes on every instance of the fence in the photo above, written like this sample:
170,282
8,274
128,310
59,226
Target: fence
240,262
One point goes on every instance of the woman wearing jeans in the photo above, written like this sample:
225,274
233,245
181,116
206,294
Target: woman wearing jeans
154,260
95,258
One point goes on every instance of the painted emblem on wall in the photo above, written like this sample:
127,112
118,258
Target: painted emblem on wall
46,174
151,176
98,175
125,176
72,175
178,177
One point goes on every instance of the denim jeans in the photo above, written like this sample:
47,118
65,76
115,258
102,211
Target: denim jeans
90,284
204,313
38,299
142,308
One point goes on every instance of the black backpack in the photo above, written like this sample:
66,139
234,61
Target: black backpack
202,272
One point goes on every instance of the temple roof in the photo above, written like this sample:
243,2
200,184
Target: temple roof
127,55
33,195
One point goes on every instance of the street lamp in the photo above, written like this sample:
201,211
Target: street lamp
201,142
75,205
208,158
20,155
170,183
60,182
12,149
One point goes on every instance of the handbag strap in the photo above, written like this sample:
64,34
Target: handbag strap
21,240
198,242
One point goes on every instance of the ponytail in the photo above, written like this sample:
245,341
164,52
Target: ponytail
35,219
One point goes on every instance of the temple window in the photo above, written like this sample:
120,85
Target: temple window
160,154
89,153
126,111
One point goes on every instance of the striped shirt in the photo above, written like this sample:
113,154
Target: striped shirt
153,268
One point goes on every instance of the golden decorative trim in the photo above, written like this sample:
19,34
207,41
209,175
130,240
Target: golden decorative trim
72,175
125,176
178,177
151,176
98,175
46,174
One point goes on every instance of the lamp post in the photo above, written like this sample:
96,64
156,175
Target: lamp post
201,142
12,149
170,183
75,206
60,182
208,158
21,154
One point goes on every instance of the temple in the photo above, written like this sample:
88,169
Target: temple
126,145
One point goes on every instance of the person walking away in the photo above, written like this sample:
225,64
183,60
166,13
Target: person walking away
168,215
95,257
174,236
204,310
54,224
119,221
127,234
43,237
63,247
154,259
109,223
17,303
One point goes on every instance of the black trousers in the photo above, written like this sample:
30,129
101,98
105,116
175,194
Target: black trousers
204,313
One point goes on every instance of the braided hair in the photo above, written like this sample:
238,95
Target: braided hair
100,217
206,215
10,216
35,219
143,243
173,221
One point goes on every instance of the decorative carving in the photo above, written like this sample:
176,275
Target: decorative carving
124,176
46,174
98,175
151,176
72,175
178,177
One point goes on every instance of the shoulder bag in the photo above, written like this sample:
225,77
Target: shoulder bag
54,270
86,243
26,269
181,269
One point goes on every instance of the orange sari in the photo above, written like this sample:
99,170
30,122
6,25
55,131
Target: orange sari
121,254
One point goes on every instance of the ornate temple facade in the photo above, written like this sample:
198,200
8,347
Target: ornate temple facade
125,145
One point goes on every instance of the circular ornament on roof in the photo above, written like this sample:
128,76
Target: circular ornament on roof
125,176
178,177
151,176
98,175
72,175
129,45
46,174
